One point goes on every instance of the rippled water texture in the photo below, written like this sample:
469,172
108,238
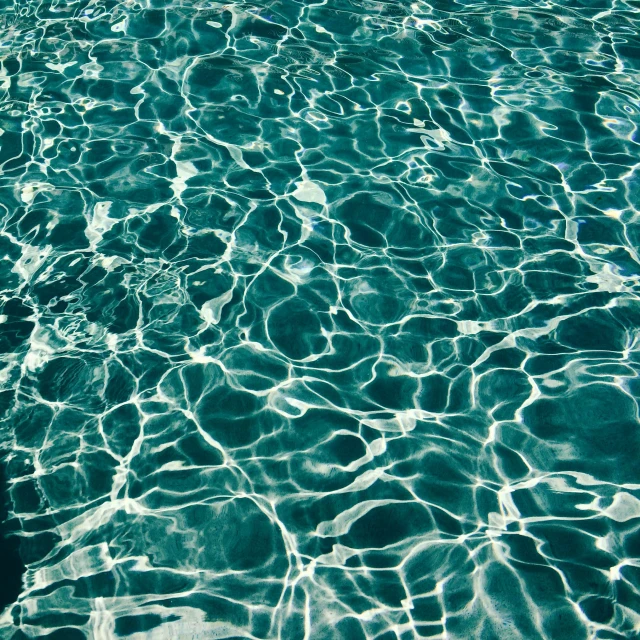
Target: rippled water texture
320,319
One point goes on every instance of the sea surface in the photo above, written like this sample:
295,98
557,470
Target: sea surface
319,320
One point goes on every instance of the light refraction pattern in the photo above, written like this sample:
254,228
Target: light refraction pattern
319,319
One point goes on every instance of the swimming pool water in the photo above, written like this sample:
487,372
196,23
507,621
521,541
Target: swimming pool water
319,319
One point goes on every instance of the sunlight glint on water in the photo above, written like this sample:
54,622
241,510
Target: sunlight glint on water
319,320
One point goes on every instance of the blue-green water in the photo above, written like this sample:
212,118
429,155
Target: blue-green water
320,319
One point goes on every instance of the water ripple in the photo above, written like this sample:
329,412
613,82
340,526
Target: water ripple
320,319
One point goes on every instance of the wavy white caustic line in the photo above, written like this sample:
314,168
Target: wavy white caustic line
320,321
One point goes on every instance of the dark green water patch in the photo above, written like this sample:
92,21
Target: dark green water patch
12,566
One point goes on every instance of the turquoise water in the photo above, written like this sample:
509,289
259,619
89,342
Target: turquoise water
319,320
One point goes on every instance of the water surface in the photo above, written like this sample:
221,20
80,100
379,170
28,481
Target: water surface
320,319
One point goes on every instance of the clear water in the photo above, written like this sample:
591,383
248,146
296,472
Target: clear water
320,319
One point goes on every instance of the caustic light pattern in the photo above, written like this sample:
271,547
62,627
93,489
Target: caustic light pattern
319,319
